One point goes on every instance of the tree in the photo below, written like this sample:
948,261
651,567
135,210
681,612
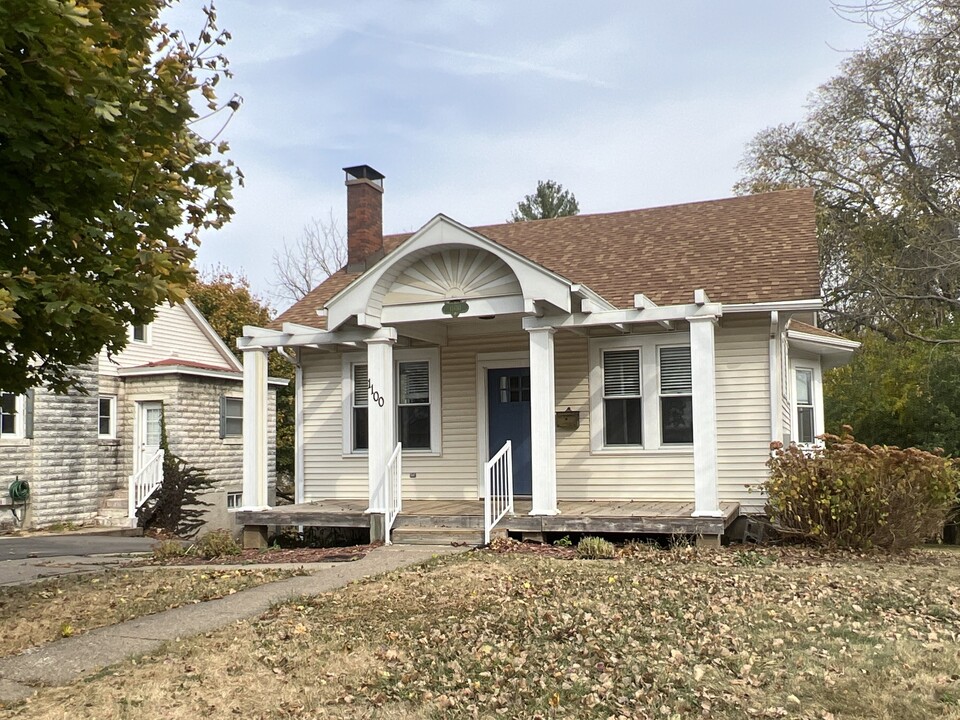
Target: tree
105,182
549,201
228,304
881,146
319,251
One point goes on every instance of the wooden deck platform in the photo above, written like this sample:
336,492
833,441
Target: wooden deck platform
587,516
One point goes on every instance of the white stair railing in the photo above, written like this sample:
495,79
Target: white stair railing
393,496
498,486
144,483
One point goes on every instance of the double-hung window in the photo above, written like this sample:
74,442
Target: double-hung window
231,417
415,401
622,398
11,415
413,404
359,407
806,433
107,417
676,396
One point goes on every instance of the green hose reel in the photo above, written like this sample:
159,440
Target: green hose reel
19,491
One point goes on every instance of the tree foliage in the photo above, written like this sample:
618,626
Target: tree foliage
881,145
228,304
549,201
898,393
105,182
318,252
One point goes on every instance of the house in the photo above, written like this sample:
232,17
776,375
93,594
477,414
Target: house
639,363
81,452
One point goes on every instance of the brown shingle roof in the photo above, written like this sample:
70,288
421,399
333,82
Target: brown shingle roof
755,248
803,327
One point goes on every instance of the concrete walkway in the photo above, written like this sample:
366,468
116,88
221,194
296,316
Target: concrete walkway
63,661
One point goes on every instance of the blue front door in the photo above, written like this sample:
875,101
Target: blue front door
508,417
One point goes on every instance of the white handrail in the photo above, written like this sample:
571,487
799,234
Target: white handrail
498,484
393,497
144,483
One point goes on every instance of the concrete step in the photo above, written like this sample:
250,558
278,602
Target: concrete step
115,503
114,521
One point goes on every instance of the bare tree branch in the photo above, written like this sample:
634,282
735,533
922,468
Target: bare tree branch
317,253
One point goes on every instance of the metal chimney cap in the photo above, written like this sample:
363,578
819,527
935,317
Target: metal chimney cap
364,172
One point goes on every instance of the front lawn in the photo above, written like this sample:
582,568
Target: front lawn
48,610
676,634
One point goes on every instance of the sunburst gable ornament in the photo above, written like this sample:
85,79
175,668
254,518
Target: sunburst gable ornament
454,308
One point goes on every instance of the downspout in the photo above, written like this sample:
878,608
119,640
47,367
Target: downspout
775,366
298,419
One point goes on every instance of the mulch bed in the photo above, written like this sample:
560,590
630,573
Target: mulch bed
293,556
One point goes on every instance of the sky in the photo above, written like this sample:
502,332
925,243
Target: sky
464,106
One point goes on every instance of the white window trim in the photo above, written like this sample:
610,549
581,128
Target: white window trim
147,334
432,356
112,432
818,418
650,388
19,420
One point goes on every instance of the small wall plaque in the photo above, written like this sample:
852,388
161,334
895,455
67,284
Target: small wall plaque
568,419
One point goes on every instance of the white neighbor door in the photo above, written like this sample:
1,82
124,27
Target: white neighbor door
147,433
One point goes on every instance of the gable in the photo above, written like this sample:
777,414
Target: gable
178,332
451,274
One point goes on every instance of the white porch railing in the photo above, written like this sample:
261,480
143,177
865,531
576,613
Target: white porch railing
498,487
144,483
392,495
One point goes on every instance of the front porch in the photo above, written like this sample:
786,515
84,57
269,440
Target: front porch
631,517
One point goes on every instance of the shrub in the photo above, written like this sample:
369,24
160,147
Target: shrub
166,549
846,494
595,548
216,543
565,541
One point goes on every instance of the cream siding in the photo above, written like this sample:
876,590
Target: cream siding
743,410
743,427
173,334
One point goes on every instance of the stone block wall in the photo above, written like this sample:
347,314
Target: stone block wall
65,482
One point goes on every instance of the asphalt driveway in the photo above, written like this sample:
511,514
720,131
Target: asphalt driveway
34,557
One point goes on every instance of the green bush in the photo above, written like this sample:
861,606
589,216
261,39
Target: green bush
216,543
596,548
848,495
166,549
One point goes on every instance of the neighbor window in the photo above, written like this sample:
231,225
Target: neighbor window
138,333
805,407
107,422
234,500
676,396
361,399
11,415
231,417
622,398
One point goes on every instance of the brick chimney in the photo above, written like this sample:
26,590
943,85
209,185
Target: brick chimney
364,217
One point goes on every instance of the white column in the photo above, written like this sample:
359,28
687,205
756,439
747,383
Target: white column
703,367
543,430
255,429
381,416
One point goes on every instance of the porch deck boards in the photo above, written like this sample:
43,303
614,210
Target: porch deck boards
576,516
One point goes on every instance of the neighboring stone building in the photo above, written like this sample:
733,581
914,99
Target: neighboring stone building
78,451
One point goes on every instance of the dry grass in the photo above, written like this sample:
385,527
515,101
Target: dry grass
667,635
41,612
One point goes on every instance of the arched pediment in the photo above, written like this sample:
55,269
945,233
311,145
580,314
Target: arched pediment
453,273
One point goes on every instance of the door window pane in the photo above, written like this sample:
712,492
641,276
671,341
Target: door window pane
152,434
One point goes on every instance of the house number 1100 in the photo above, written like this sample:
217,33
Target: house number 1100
377,397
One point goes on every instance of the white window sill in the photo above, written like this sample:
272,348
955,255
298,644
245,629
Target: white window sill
15,441
636,451
108,440
232,440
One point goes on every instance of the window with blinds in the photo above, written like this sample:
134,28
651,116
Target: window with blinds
676,396
805,412
622,398
361,398
413,404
